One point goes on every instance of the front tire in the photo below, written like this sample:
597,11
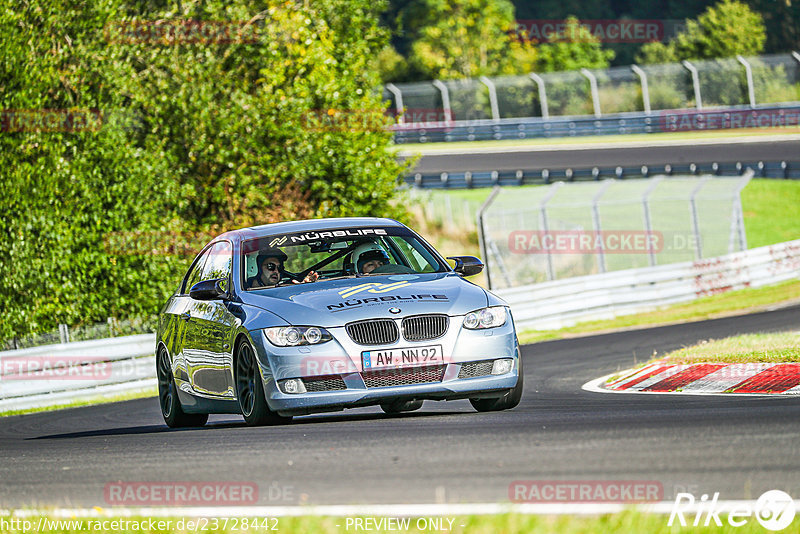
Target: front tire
250,390
171,408
507,401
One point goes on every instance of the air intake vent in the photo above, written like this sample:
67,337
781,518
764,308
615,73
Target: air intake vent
425,327
377,332
473,369
324,383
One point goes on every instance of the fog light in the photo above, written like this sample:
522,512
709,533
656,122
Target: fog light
501,367
294,385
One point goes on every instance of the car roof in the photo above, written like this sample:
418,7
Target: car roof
308,225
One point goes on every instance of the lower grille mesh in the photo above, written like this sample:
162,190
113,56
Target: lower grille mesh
402,377
324,383
473,369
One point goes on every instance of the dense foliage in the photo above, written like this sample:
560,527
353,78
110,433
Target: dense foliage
134,131
448,39
725,30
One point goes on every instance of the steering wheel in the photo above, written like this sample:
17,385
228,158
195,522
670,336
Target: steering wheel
293,276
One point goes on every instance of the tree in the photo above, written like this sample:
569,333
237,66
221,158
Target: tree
214,117
576,48
466,38
721,31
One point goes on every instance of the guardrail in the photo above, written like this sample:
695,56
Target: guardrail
55,374
565,302
735,92
64,373
467,179
733,117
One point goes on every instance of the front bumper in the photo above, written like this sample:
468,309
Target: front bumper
342,358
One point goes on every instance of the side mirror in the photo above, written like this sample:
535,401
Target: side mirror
209,289
467,265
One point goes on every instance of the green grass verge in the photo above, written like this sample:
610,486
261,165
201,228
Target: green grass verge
770,211
596,139
152,392
629,521
703,308
748,348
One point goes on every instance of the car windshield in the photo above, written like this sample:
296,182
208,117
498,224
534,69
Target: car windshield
335,253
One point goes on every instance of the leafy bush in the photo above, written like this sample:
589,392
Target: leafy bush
188,138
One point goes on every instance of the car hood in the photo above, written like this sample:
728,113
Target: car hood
331,303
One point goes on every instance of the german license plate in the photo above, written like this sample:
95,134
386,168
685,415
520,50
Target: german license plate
402,357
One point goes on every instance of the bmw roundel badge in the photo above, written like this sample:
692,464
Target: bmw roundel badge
394,310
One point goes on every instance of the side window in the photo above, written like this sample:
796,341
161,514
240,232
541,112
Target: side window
418,262
193,276
218,264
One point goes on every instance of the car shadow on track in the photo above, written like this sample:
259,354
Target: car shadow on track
305,420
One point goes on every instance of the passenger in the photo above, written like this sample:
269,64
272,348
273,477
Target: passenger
369,257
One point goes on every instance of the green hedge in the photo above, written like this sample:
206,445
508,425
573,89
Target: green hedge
118,147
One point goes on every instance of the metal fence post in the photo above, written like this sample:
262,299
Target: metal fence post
398,101
698,99
63,333
542,94
544,223
648,222
751,93
482,233
645,89
698,249
448,112
601,263
593,87
737,215
492,97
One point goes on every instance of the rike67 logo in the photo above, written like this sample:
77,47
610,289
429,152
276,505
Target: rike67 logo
774,510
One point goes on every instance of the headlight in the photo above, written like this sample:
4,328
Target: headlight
486,318
293,336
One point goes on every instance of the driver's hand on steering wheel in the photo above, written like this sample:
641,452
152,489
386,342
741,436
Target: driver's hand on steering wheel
312,276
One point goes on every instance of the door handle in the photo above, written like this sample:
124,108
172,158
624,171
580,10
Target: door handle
186,316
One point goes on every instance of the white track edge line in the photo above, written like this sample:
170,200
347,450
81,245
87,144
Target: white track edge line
406,510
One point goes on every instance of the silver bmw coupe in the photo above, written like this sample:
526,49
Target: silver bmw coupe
320,315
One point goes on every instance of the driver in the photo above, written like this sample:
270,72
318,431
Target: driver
369,257
270,268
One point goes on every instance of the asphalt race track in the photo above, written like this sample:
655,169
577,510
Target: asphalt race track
725,151
447,452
